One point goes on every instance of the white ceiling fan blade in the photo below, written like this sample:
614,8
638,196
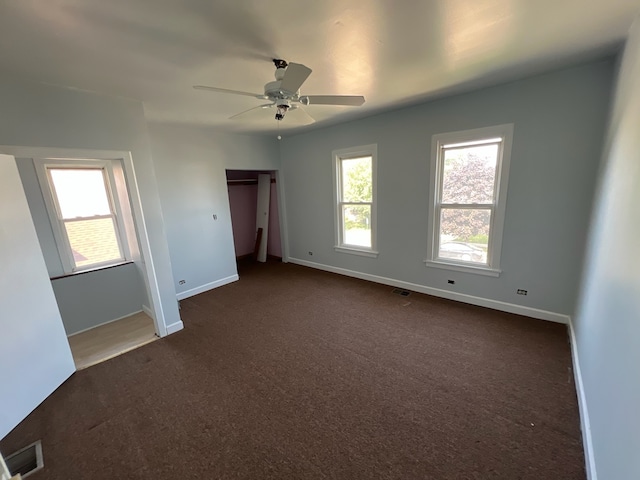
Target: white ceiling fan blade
346,100
298,115
225,90
251,111
294,77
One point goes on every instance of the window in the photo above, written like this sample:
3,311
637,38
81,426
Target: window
355,206
84,213
469,173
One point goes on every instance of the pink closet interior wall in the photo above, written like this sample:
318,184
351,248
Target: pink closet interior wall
243,201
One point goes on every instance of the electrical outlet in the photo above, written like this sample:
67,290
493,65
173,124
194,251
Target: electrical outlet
451,282
182,282
521,292
310,253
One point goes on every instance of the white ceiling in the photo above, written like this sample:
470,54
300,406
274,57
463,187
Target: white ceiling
392,52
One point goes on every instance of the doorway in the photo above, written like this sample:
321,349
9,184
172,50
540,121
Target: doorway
108,306
255,216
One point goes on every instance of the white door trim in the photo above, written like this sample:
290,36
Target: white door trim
150,278
262,213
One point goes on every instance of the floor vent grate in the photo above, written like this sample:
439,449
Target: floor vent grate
402,292
26,461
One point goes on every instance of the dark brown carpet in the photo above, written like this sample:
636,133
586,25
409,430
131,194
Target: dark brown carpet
296,373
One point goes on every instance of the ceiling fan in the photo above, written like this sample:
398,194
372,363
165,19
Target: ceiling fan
284,93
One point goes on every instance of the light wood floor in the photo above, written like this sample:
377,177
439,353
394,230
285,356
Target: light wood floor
107,341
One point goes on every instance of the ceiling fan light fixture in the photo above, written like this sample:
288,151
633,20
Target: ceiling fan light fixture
281,111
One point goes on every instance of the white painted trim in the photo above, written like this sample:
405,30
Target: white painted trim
436,292
148,311
151,280
585,423
490,272
206,287
52,205
282,214
498,207
262,214
337,157
5,474
175,327
104,323
356,251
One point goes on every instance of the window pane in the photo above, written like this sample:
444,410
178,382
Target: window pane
357,225
93,241
464,234
469,174
81,193
357,185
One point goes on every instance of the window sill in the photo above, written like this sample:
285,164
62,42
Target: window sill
356,251
490,272
89,270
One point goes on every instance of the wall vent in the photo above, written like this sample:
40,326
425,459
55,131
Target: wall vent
26,461
402,292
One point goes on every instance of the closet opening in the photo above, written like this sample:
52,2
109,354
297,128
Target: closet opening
255,219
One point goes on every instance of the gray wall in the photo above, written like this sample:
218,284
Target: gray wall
39,215
559,123
607,326
93,298
190,163
37,115
86,300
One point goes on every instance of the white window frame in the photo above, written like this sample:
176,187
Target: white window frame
338,157
497,208
55,216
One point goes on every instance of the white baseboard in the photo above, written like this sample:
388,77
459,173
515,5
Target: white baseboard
436,292
175,327
585,423
207,286
148,311
103,323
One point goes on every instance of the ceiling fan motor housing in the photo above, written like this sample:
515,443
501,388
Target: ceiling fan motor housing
274,91
280,73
